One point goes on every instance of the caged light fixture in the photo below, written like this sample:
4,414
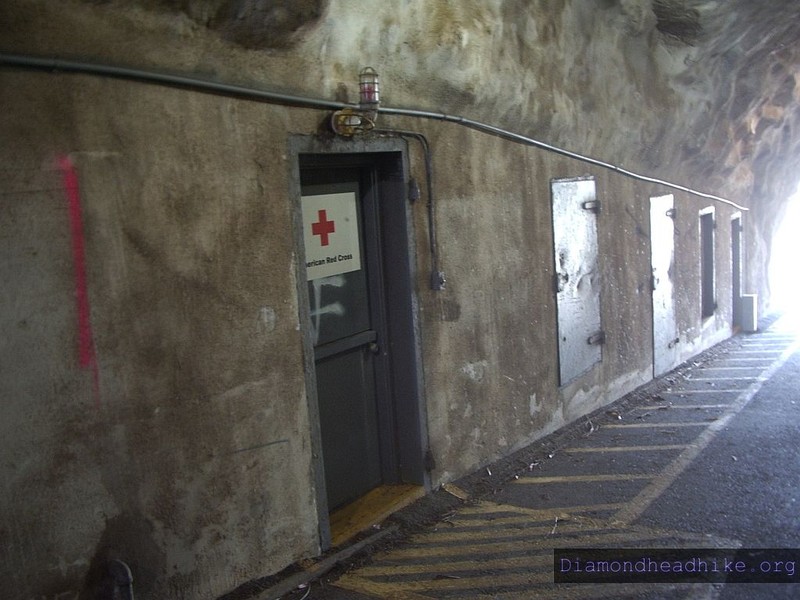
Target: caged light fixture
357,120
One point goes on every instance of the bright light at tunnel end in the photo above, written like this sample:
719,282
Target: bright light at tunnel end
783,269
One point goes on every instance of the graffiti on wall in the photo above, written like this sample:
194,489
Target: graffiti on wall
87,356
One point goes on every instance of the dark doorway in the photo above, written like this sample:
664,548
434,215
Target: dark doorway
736,271
347,327
362,321
707,292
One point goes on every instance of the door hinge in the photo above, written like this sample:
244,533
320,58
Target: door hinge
591,206
560,281
413,190
672,213
438,281
430,461
597,339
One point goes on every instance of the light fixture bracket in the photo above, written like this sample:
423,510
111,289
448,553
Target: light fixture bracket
350,122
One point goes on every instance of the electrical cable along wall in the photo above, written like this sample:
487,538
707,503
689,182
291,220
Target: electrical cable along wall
207,86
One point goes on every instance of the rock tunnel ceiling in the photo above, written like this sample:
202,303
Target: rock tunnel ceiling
692,90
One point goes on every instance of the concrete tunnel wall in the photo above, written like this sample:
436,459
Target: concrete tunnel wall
163,418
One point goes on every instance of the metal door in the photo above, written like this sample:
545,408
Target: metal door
662,253
577,280
340,234
708,296
736,271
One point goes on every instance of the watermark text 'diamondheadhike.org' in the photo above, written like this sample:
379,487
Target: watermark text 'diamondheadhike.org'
670,565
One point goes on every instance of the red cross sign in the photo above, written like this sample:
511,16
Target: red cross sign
323,228
330,234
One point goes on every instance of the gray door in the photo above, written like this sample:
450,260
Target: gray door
577,278
347,325
662,253
736,271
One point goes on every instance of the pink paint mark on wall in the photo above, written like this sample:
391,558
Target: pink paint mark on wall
87,357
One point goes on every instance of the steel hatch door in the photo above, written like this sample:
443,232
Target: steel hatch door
736,271
577,279
662,254
346,328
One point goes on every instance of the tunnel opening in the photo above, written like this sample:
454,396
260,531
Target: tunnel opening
784,283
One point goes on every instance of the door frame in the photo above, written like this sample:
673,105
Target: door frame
737,270
584,346
390,159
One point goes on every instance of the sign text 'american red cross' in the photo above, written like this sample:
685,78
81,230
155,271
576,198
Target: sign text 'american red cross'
331,234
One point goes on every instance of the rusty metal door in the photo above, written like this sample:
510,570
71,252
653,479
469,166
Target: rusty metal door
736,271
666,352
577,279
348,326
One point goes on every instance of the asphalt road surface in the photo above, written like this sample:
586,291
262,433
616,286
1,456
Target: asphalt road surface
708,459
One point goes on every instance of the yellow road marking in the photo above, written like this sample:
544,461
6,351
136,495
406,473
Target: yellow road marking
357,584
539,513
581,478
711,391
682,406
498,534
545,516
654,425
627,448
611,591
722,378
513,562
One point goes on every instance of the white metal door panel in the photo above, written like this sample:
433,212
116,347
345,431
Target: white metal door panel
662,252
580,335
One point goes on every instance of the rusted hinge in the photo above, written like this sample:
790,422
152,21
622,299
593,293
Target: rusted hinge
597,338
591,206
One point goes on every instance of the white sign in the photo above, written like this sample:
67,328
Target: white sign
330,232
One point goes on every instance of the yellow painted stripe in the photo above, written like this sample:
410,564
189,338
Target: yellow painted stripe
581,478
479,564
540,568
464,550
541,513
501,521
627,448
729,368
365,586
722,378
683,406
565,524
683,392
654,425
595,540
611,591
560,534
546,516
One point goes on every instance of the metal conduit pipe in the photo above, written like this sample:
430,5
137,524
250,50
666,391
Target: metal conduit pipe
521,139
214,87
437,276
